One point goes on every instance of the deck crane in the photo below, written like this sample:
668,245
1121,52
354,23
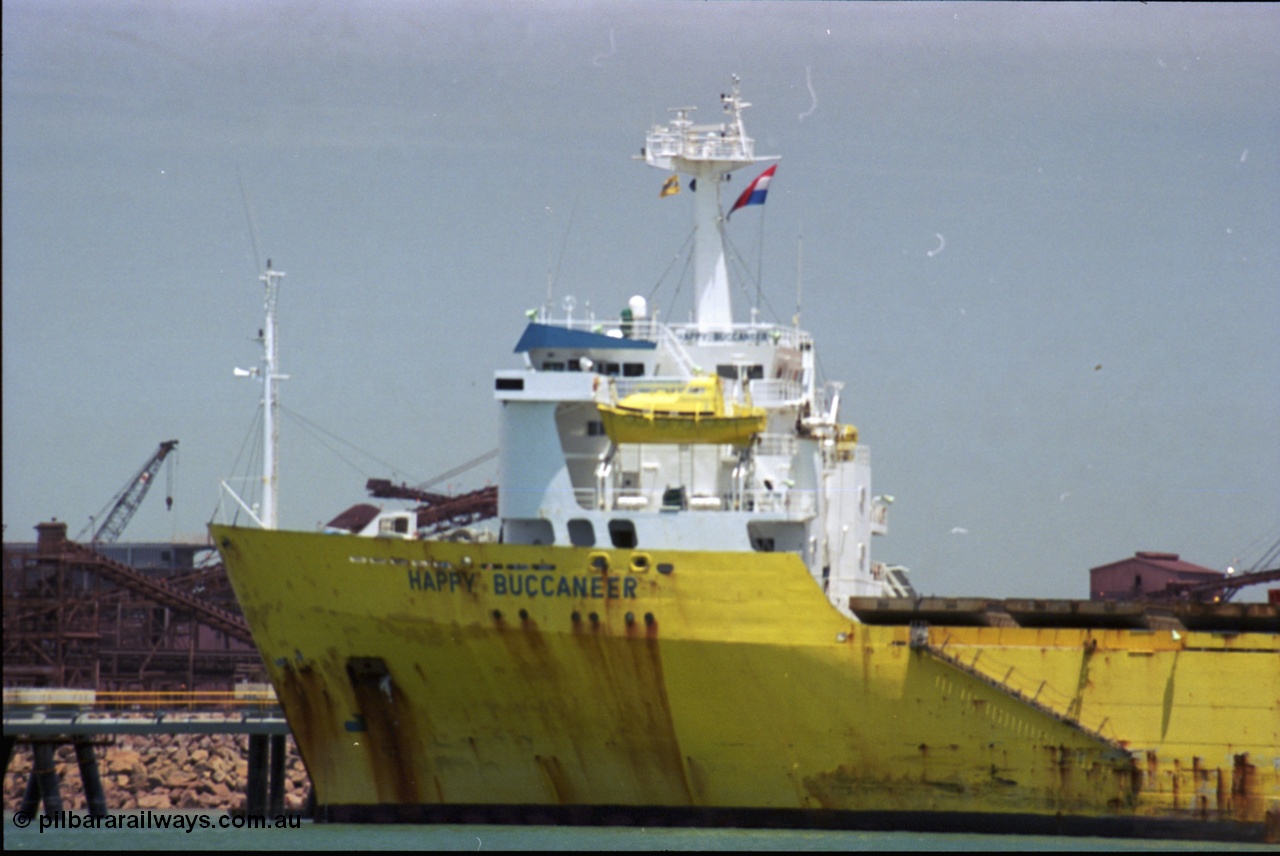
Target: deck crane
126,502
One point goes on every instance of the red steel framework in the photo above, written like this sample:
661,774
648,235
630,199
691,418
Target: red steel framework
78,619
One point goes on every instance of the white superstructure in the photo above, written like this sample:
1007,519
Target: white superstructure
803,484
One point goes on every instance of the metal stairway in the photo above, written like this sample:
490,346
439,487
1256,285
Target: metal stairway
919,641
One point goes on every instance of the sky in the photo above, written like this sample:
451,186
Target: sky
1040,244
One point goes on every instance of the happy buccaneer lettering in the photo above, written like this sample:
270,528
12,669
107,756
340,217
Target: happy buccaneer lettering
526,584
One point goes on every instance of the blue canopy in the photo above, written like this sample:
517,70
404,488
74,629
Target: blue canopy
547,336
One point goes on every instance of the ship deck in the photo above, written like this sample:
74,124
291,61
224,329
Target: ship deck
1086,614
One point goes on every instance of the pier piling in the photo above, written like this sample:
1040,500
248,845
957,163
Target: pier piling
276,778
31,796
95,797
47,718
44,772
256,790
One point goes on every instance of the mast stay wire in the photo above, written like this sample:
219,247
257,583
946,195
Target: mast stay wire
320,433
736,255
1268,558
253,226
741,265
255,429
680,281
461,468
323,434
553,277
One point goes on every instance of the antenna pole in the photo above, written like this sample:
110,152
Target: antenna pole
799,273
546,307
760,265
270,433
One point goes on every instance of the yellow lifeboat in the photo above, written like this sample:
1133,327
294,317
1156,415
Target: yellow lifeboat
693,413
846,441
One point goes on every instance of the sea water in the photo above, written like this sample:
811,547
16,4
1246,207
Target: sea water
180,830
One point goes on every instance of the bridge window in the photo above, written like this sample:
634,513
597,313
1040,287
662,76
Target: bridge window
623,534
528,532
582,533
743,372
394,525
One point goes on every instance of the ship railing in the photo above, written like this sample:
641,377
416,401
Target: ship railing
699,144
622,387
653,330
639,330
776,393
775,444
769,394
664,144
619,388
644,329
748,334
795,504
791,503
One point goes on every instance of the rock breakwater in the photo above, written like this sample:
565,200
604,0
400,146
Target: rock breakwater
162,771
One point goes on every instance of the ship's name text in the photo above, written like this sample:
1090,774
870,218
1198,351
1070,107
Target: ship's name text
526,585
552,585
427,580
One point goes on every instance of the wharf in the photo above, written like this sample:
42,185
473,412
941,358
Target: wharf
82,713
45,718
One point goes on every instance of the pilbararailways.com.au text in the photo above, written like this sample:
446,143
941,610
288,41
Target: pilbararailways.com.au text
148,819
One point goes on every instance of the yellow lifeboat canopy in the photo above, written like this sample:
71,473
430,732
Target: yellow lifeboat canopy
846,442
695,412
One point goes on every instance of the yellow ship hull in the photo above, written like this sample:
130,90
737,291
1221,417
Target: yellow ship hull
485,682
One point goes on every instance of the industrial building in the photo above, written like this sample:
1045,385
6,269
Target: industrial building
1149,575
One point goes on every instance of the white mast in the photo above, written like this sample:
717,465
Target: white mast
270,434
707,153
267,516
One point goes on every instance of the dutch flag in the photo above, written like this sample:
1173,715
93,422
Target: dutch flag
755,192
